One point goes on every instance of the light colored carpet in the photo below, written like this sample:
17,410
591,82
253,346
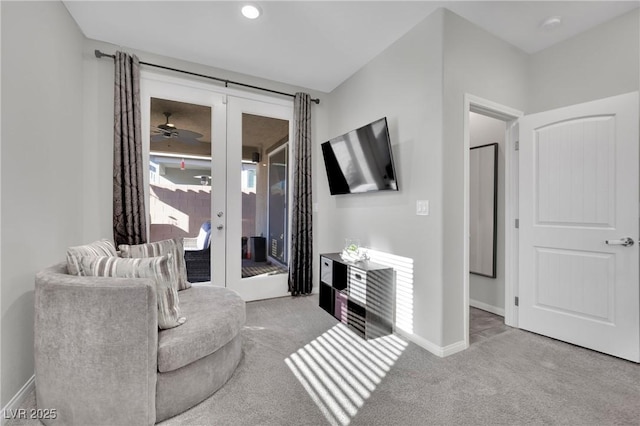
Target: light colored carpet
507,376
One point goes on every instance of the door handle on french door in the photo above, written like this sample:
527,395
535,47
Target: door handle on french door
625,241
220,227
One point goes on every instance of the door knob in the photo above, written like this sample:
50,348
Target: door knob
625,241
220,214
220,227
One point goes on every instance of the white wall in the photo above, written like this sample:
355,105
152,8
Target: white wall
480,64
484,292
404,83
41,131
596,64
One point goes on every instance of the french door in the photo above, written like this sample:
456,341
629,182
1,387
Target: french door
579,198
258,198
220,159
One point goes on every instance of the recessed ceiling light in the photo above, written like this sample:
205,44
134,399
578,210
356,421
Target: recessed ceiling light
551,23
251,11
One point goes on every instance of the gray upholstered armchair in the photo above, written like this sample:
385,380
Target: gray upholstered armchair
100,358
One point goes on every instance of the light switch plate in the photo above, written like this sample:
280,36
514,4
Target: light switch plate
422,207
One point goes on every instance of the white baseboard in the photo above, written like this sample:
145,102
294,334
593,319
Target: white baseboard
454,348
432,347
486,307
14,404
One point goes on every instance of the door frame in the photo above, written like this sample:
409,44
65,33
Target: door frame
510,116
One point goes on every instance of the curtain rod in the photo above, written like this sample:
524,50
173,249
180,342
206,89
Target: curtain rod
99,55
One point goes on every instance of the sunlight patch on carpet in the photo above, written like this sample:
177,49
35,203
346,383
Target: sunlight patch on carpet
403,267
339,370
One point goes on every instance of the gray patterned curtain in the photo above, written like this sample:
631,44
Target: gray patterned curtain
129,216
301,259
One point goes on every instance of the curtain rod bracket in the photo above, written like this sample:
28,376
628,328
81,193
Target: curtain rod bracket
99,54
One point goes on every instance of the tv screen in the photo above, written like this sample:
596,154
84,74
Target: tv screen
361,160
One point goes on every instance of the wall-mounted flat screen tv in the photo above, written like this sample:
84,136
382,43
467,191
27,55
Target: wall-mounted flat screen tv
361,160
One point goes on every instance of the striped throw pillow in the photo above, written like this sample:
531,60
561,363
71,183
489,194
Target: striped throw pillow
161,269
95,249
160,248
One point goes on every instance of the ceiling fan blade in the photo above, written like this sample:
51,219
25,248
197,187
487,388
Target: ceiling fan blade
164,132
188,134
158,138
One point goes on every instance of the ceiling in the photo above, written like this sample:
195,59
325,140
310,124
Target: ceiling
315,44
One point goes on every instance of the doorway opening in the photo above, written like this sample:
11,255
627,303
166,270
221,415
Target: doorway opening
569,202
490,275
487,137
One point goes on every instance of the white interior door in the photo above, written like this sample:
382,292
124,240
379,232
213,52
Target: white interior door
257,130
579,188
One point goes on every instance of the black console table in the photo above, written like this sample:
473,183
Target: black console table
360,295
